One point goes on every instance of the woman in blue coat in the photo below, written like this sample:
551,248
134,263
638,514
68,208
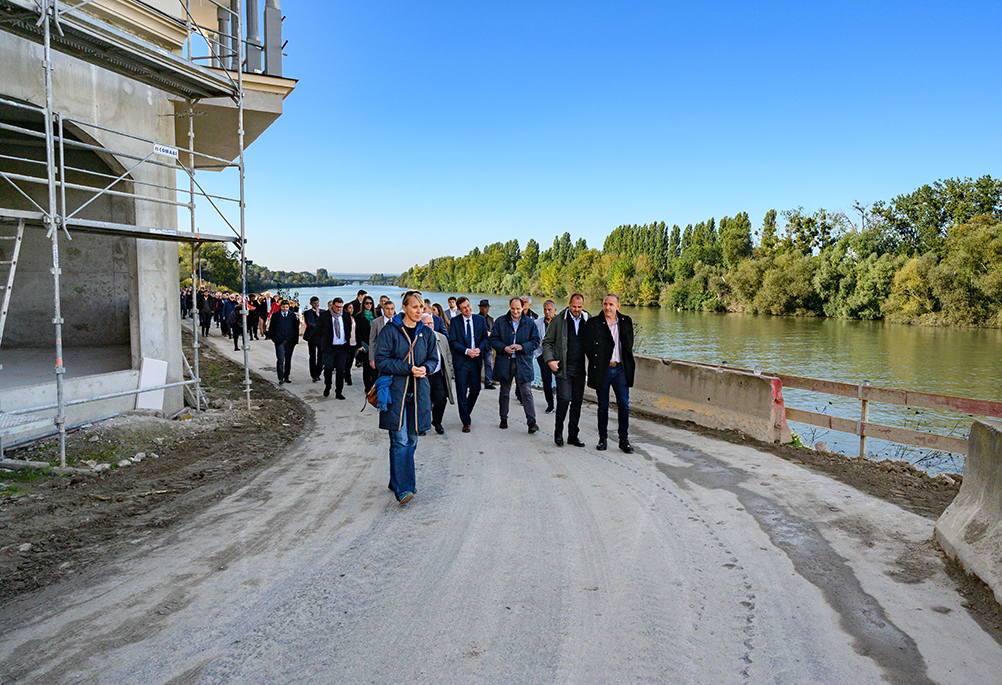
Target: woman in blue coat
407,352
515,338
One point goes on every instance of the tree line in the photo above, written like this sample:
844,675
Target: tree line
932,256
219,266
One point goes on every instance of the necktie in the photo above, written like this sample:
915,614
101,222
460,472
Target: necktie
469,330
337,326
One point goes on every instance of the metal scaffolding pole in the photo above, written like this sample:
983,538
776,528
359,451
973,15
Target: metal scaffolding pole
52,223
196,253
243,203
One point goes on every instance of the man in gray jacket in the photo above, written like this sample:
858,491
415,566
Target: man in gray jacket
564,353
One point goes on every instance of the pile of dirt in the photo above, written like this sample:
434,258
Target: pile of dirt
151,473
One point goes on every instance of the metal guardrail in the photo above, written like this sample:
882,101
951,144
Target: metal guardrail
866,393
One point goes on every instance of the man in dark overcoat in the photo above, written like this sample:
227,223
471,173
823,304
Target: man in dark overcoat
609,346
515,339
564,354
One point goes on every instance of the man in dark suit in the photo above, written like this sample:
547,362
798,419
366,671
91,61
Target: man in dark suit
468,341
609,346
283,329
334,328
312,317
564,354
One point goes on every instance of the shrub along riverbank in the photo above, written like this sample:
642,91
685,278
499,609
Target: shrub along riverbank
933,256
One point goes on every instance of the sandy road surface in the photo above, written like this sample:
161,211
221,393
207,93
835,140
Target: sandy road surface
691,561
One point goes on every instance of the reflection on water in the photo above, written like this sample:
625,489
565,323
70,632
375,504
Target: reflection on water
944,361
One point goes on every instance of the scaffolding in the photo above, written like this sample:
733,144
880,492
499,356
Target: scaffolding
65,28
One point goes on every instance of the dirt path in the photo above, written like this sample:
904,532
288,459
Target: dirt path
70,522
695,560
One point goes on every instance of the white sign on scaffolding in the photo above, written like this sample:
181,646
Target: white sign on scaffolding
164,150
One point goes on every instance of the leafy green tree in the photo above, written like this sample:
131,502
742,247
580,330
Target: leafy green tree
735,239
787,287
922,217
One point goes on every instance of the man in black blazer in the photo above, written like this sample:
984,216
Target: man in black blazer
334,328
311,317
283,329
468,340
609,346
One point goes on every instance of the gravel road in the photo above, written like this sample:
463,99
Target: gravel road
692,561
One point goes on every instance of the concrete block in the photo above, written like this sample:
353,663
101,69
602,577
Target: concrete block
970,530
713,397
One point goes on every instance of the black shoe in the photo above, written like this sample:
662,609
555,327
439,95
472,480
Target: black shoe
549,410
626,446
504,423
421,434
281,381
488,386
533,428
347,381
340,396
602,446
466,428
327,391
315,380
287,380
558,441
439,429
575,441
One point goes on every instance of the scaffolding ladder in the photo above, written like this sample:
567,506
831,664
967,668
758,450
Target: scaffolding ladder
10,424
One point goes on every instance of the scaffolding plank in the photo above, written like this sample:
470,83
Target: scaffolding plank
108,228
146,232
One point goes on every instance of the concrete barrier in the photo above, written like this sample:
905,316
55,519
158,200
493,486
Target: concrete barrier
713,397
970,530
43,394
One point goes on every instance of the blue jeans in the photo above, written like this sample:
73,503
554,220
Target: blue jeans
403,444
615,379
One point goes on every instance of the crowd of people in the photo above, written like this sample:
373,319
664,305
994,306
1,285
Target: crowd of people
424,357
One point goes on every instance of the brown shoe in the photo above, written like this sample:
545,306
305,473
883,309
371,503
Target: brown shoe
466,428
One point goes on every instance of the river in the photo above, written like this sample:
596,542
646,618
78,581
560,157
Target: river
946,361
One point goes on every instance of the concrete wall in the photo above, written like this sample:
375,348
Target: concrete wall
121,288
75,388
970,530
717,398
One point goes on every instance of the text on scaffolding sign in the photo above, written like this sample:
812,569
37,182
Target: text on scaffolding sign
164,150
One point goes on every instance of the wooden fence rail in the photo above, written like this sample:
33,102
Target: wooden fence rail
866,393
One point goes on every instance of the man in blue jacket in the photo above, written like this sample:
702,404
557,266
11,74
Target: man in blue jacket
468,341
515,339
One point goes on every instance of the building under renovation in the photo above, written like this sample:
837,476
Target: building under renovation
113,114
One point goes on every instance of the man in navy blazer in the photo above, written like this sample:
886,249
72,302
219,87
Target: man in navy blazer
467,356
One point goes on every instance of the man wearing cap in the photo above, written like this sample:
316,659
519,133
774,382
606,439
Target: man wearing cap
485,307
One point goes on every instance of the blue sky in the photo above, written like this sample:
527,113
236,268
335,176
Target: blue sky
424,129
